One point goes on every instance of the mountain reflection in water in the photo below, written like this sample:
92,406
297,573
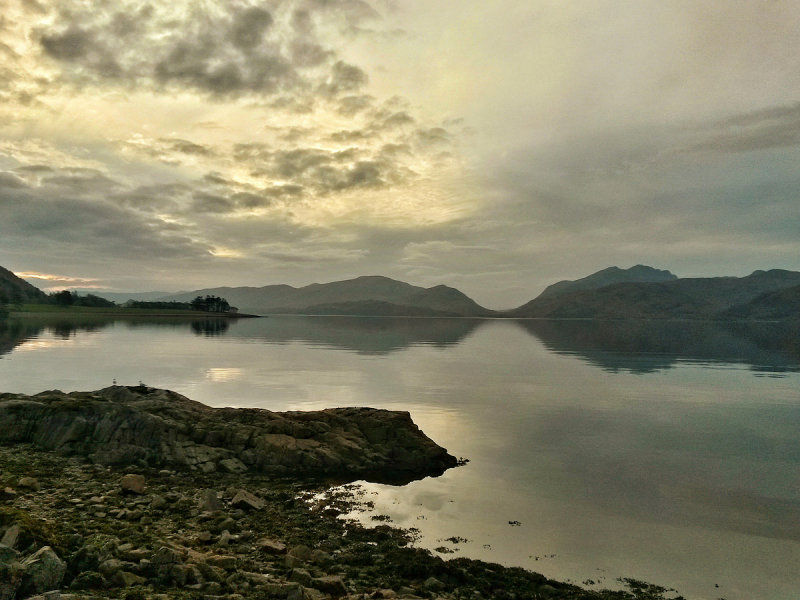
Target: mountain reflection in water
636,346
642,347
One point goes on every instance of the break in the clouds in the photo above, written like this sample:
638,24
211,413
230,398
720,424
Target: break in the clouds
496,147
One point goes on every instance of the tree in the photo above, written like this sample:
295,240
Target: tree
64,298
210,304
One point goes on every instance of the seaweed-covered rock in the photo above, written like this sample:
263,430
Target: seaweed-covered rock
122,425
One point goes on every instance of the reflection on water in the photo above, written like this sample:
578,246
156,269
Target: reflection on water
210,327
643,347
365,335
649,450
16,331
636,346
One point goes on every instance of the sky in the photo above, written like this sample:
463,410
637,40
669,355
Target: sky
496,147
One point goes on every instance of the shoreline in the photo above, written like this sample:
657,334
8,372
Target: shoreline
86,311
136,493
138,533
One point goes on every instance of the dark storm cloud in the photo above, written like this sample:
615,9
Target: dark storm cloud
225,50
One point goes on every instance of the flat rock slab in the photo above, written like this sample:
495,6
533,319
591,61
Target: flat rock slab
123,425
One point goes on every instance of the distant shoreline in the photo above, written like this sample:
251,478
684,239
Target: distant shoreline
44,310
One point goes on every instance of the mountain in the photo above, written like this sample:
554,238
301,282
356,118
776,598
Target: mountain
609,276
122,297
781,304
367,295
14,289
690,298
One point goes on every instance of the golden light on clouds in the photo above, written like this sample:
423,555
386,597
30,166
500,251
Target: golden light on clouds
163,135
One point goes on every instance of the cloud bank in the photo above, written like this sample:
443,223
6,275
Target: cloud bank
496,147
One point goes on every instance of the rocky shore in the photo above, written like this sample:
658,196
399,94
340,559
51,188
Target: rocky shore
146,426
78,520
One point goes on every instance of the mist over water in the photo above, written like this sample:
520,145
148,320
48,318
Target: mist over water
662,451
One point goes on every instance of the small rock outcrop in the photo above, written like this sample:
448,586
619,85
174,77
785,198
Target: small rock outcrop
147,426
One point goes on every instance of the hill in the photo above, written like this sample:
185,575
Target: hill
781,304
606,277
367,295
690,298
15,289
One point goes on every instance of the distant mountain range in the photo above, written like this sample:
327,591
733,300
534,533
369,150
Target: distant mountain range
640,292
757,295
609,276
368,295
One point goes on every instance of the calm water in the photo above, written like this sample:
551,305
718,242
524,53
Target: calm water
665,452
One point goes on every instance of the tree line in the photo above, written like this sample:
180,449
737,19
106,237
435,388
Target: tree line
212,304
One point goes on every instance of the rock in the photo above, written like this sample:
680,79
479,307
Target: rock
204,537
330,584
209,501
301,576
247,501
320,557
96,549
547,591
126,579
167,565
7,494
43,571
7,554
431,584
123,425
158,503
225,538
211,572
223,562
10,536
271,546
30,483
110,567
302,552
132,483
232,465
165,556
88,580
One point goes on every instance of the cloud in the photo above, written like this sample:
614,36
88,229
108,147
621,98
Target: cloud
170,151
763,129
225,50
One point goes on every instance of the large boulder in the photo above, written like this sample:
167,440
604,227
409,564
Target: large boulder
160,428
42,572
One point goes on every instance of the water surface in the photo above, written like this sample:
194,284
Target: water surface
668,452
